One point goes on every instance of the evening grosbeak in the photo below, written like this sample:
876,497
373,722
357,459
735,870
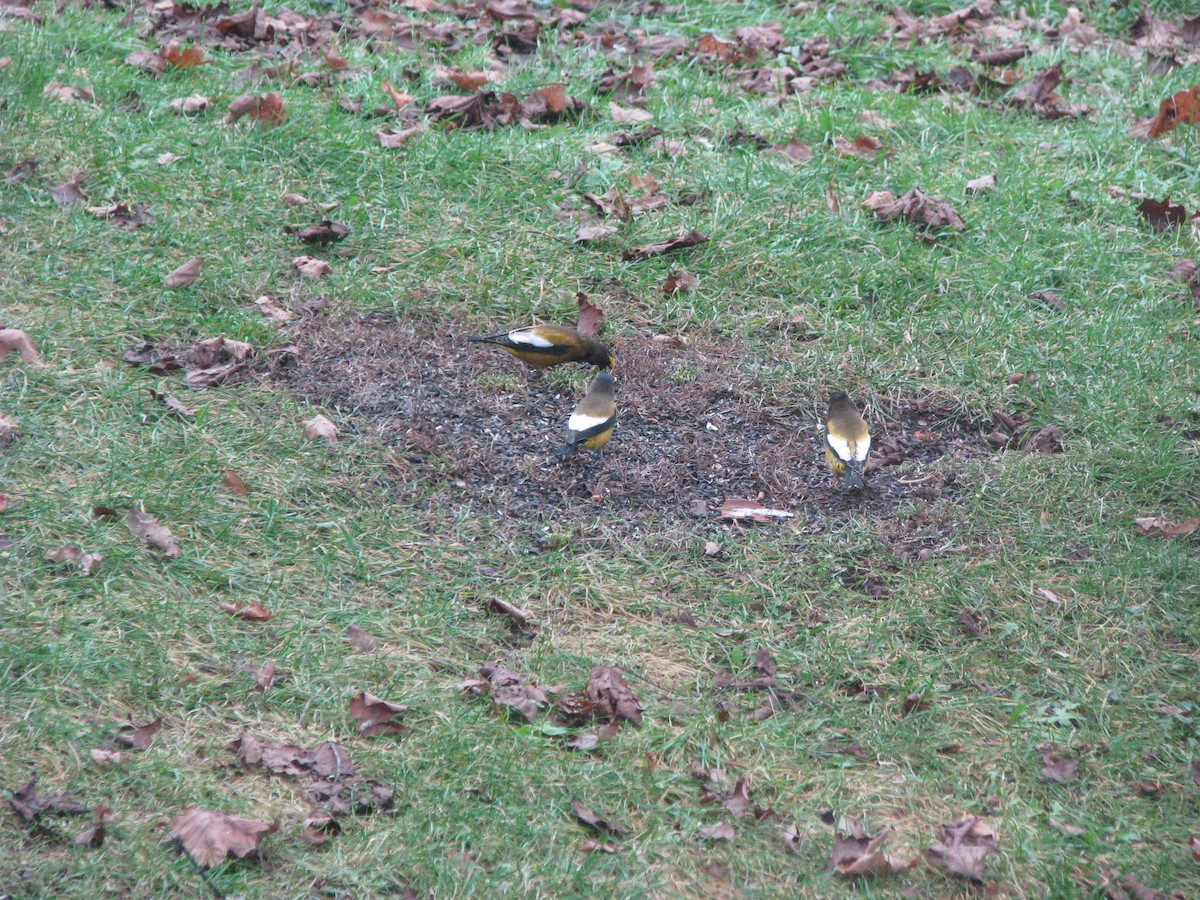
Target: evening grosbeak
847,441
592,422
543,346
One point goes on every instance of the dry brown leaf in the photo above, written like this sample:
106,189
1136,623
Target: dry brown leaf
1162,215
722,832
914,207
183,58
627,115
375,715
1161,526
93,838
70,192
390,140
320,428
600,824
215,360
509,690
15,340
209,837
611,696
266,108
518,615
857,853
185,274
680,281
984,184
399,98
103,757
149,61
234,483
963,849
589,233
795,150
736,508
589,317
589,740
691,239
189,105
359,639
146,528
140,737
1059,766
64,93
254,612
27,803
311,267
70,554
1181,107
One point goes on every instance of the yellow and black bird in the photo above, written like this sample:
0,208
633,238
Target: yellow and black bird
847,440
543,346
592,422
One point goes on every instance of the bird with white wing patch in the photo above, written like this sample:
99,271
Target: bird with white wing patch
593,421
543,346
847,440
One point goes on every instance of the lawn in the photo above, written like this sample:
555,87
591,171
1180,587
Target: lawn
424,657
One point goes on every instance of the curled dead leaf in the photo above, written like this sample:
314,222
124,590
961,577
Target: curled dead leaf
209,837
147,529
857,853
691,239
611,696
375,715
72,555
963,849
590,317
266,108
311,267
14,340
1161,526
320,428
254,612
185,274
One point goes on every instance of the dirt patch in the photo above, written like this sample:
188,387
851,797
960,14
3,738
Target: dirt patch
471,422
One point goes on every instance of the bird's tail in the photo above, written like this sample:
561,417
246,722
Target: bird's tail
481,339
566,450
854,475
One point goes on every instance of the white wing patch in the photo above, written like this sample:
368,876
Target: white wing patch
580,422
527,336
862,448
841,448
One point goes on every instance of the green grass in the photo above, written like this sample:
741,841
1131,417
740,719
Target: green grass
462,226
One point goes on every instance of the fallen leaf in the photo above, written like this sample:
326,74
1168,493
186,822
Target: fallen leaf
266,108
984,184
183,58
914,207
518,615
185,274
13,339
310,267
1068,830
319,427
1194,846
359,639
591,845
722,832
327,232
963,849
1059,766
691,239
176,406
790,838
149,61
863,146
589,318
795,150
1183,107
680,281
209,837
857,853
140,737
234,483
736,508
831,200
265,675
93,838
1161,526
189,105
214,360
70,554
375,715
611,696
602,825
399,98
146,528
589,233
1162,215
29,804
254,612
627,115
390,140
64,93
589,740
509,690
330,760
1045,440
70,192
103,757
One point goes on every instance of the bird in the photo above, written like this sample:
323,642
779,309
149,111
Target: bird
543,346
592,422
847,440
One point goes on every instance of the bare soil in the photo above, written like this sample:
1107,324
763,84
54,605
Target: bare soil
471,422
